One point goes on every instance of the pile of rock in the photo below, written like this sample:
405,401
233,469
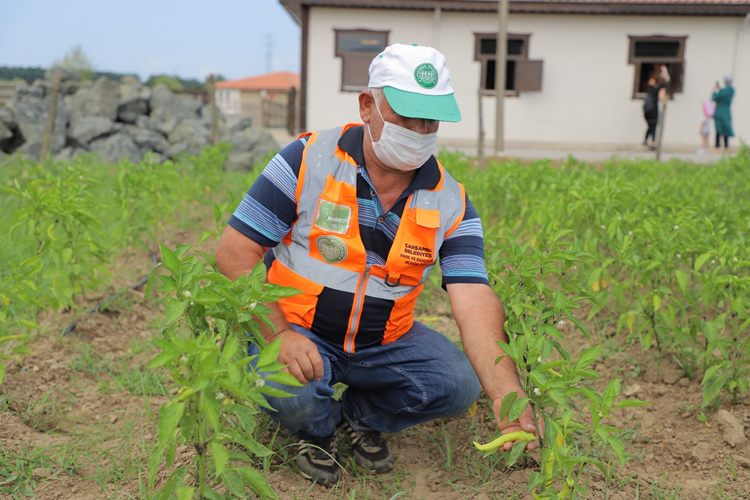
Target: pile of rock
120,120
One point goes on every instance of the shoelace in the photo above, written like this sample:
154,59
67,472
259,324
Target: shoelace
322,448
369,438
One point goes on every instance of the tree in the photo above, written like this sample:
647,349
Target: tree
172,82
78,61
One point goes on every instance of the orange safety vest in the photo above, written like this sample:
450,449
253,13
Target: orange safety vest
324,248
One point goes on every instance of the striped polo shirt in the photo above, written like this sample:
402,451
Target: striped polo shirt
269,209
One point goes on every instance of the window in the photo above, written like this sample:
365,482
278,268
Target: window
648,52
521,74
229,101
357,49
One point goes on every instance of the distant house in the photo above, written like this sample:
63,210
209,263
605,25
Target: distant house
265,98
576,69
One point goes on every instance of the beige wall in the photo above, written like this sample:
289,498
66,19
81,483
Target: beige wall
587,85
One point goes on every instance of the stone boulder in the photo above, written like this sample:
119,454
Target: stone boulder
190,129
147,139
185,147
5,132
195,103
85,129
117,120
239,125
69,152
116,148
31,111
257,142
168,110
133,101
8,117
99,99
9,125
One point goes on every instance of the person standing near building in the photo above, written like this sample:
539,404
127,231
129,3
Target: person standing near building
356,217
656,92
723,115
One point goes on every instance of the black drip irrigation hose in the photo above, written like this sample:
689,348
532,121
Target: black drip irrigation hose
111,299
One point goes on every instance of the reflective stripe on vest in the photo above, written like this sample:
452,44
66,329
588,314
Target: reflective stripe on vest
324,247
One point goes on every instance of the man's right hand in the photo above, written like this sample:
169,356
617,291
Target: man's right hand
301,357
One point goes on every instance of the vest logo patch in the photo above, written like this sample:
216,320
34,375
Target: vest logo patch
333,218
331,248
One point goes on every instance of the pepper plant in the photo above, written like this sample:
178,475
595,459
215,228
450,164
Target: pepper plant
209,321
541,290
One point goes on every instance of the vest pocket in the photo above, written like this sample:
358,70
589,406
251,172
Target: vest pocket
413,248
298,309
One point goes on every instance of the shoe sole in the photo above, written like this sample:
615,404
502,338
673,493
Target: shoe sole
379,466
323,479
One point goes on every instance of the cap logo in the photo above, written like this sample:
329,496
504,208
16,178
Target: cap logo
426,75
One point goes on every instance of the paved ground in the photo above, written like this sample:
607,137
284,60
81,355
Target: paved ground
589,153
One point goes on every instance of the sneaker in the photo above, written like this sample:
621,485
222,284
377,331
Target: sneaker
318,460
370,448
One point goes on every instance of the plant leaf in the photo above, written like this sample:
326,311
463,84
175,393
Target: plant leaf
257,483
221,456
169,416
518,407
234,483
629,403
515,453
211,408
701,260
587,357
507,404
170,261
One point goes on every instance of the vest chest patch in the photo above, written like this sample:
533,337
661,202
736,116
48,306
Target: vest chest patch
331,248
333,218
416,255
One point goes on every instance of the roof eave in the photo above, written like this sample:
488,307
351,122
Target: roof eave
294,7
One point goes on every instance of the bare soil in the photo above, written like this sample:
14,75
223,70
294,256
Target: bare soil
99,437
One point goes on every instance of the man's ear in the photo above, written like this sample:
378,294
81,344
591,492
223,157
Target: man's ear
366,103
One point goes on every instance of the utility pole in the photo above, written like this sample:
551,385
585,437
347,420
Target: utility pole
214,111
49,130
501,49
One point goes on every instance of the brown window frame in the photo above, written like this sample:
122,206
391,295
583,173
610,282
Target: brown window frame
676,65
484,58
344,87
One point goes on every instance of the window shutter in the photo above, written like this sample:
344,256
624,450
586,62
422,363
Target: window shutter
355,70
528,75
676,72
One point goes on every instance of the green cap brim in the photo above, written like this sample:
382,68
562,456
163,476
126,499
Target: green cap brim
429,107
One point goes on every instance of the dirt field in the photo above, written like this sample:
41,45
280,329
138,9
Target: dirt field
75,423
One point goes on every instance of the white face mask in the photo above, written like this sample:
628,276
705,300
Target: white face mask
401,148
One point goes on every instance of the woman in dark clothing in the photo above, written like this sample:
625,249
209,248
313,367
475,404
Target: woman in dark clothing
722,115
655,93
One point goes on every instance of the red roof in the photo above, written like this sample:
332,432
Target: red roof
280,80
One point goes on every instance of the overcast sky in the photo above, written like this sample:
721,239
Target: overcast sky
188,38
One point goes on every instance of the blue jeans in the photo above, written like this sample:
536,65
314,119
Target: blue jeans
419,377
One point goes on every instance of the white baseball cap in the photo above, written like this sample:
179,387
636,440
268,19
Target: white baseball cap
416,82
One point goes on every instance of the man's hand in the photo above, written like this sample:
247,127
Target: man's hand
524,423
301,357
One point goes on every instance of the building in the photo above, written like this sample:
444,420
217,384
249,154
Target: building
576,69
268,99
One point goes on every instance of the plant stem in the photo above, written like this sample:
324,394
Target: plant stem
201,453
